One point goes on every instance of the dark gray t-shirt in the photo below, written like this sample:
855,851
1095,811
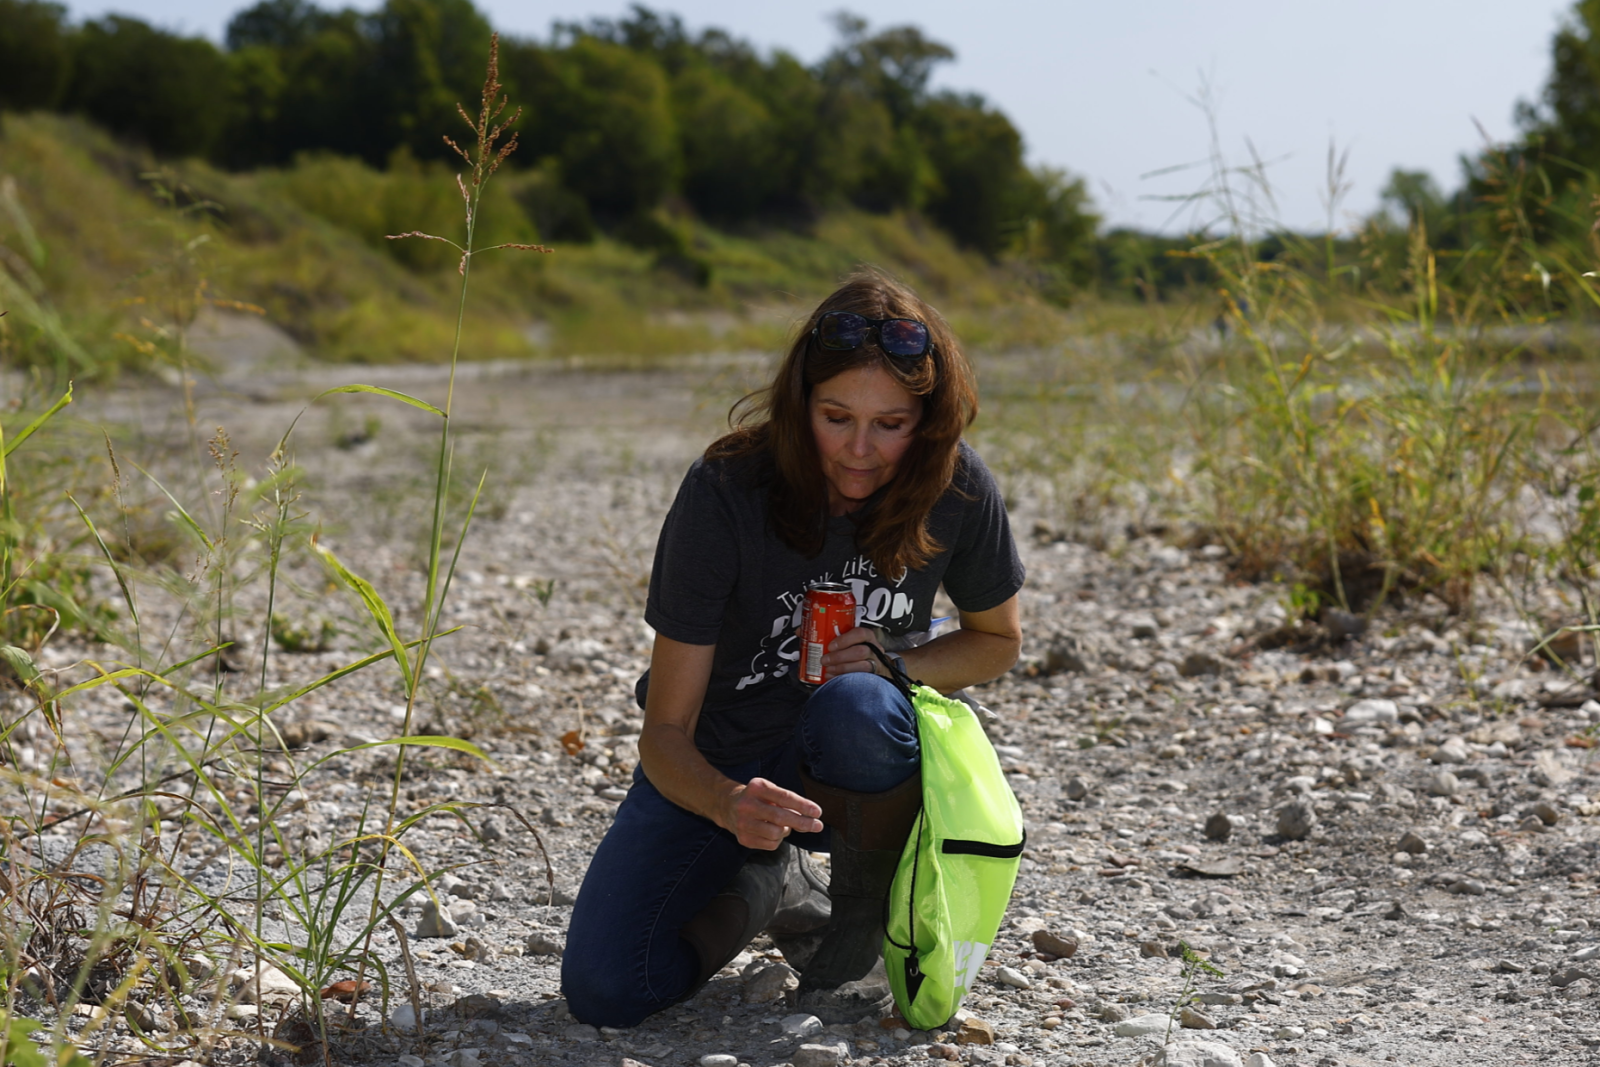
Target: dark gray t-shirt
723,577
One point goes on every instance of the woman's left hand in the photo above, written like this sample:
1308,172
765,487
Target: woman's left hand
850,652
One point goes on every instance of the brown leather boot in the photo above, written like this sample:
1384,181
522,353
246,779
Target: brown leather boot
841,983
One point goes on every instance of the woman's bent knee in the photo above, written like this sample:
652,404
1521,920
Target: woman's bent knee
858,731
609,974
862,703
604,996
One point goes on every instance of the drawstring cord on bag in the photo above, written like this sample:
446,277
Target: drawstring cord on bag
902,681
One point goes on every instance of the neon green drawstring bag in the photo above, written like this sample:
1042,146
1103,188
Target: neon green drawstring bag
958,866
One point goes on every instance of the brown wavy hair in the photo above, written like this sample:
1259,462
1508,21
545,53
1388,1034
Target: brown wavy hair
773,428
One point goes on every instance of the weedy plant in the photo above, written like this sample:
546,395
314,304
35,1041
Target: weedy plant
1552,576
1194,966
110,914
1361,435
1364,459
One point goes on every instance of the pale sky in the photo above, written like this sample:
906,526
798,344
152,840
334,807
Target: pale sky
1106,90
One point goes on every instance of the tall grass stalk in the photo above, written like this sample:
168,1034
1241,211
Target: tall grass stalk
492,143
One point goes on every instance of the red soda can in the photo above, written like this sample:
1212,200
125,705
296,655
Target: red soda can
830,610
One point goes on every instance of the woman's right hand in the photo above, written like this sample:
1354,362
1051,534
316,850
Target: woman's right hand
761,814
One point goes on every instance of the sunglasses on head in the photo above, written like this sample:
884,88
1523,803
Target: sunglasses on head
843,331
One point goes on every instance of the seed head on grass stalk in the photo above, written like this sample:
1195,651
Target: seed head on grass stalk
491,146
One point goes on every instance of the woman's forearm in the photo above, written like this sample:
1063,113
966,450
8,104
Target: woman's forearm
758,813
962,658
983,649
682,774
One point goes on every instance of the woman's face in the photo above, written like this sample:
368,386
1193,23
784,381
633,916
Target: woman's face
863,421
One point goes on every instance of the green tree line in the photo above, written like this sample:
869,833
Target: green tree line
626,117
1534,199
1539,191
622,117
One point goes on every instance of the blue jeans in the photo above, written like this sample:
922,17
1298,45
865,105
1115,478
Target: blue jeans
660,864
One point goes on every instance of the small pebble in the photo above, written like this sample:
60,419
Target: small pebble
719,1059
254,982
1296,818
1196,664
974,1031
1190,1019
1193,1053
539,944
403,1018
437,921
1219,827
1413,843
1364,712
1014,978
820,1055
1569,976
1341,624
1547,813
1444,784
769,983
1060,947
801,1025
1140,1025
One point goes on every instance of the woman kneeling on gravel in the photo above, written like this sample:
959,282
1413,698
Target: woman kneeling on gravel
851,469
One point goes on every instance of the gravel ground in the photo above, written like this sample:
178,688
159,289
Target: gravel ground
1385,843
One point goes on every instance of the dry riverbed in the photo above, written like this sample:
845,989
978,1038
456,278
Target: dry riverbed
1385,842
